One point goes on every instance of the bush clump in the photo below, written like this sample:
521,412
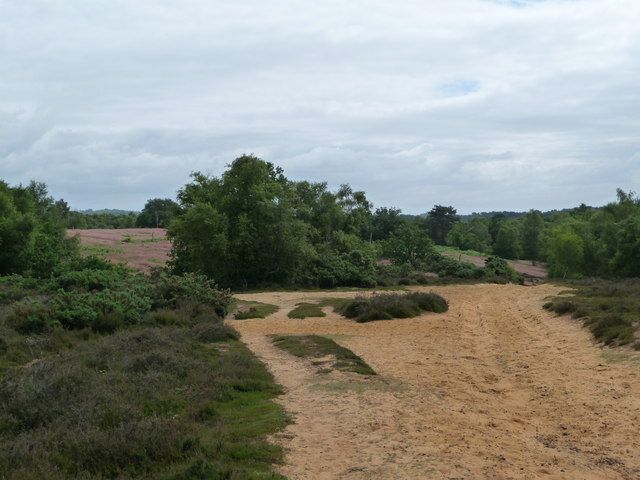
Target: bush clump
214,332
393,305
609,308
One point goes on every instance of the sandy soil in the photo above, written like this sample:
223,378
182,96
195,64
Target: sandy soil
139,253
496,388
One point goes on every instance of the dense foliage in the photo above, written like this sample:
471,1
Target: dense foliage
32,230
581,242
157,213
84,220
254,227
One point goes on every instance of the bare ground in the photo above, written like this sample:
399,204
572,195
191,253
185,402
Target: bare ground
496,388
148,247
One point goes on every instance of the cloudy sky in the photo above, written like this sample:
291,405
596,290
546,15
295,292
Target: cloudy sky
484,105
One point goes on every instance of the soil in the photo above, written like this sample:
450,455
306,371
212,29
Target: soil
148,247
496,388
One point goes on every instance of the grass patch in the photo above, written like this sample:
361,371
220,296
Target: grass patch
305,310
316,346
388,306
610,309
247,310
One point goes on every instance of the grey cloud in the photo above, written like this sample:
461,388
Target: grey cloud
480,104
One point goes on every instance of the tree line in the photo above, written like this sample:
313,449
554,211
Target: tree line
252,226
580,242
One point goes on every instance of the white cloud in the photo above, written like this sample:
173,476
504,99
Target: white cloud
479,104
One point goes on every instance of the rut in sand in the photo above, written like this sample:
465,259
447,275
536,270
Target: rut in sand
496,388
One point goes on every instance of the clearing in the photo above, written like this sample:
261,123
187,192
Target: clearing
496,388
523,267
140,248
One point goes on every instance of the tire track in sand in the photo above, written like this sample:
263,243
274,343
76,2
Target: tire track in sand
496,388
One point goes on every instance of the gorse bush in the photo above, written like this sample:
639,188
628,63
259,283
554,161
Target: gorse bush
104,297
171,290
392,305
449,267
499,268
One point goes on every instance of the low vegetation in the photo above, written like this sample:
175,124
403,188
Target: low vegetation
105,373
386,306
610,309
247,310
305,310
318,347
150,402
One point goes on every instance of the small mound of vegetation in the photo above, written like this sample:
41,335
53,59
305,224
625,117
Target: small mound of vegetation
305,310
255,310
392,305
316,346
609,308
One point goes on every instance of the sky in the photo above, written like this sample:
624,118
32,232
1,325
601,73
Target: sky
483,105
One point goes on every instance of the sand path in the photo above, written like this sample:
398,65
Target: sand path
496,388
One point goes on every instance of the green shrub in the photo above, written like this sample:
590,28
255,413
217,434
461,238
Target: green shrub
429,302
173,289
561,306
497,267
446,266
30,318
214,332
388,306
612,329
609,308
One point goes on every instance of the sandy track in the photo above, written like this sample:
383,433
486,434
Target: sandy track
496,388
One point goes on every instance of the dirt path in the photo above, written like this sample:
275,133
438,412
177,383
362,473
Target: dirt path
496,388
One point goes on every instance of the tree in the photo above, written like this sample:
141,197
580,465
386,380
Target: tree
508,241
242,229
357,211
471,235
494,225
440,221
532,226
157,213
566,253
626,261
408,245
385,222
32,232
